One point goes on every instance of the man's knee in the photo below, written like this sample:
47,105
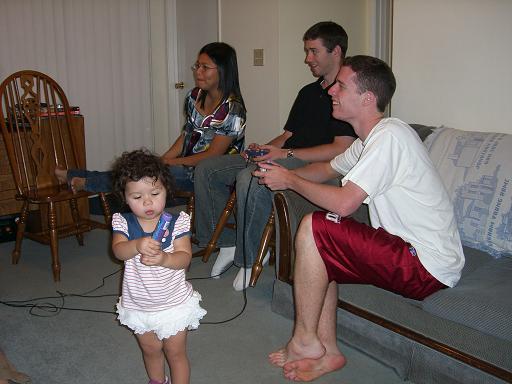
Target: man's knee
305,231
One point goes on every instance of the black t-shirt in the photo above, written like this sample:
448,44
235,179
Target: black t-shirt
310,119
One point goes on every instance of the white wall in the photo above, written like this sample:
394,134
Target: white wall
247,25
277,26
295,17
452,62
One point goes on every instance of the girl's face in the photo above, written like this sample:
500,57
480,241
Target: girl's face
206,75
146,198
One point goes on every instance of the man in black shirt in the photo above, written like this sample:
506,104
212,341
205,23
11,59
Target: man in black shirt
310,134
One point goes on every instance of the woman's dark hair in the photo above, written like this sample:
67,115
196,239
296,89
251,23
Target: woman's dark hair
137,165
374,75
224,56
332,34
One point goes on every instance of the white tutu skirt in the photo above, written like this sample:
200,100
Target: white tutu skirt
165,323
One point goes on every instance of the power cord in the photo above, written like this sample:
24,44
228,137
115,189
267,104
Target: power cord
48,309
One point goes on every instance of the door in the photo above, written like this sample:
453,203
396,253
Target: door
192,24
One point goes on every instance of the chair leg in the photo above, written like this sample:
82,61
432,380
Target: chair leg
223,219
76,219
262,250
20,233
54,240
107,213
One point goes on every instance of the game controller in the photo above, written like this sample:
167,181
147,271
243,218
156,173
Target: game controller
162,225
255,152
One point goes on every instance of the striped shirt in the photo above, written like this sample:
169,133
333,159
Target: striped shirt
152,288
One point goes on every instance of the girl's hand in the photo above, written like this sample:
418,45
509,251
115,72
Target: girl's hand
155,259
147,246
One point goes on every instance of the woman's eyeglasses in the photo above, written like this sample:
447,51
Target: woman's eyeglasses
204,67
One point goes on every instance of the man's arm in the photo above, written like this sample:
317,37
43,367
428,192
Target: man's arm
322,152
307,180
280,140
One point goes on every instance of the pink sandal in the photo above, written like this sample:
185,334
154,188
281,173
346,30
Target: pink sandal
158,382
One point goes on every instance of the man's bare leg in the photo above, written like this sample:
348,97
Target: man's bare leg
333,360
310,286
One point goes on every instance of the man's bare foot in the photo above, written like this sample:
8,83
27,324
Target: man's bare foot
77,184
61,174
296,351
311,369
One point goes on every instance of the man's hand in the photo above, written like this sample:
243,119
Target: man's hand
274,176
274,153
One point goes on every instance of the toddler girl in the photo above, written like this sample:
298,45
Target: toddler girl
157,303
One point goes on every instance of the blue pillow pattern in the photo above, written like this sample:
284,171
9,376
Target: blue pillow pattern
476,168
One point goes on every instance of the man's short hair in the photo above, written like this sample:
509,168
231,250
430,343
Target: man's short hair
332,34
374,75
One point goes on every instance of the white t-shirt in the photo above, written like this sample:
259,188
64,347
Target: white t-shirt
406,195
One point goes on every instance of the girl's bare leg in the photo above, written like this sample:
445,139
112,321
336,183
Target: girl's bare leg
175,348
153,355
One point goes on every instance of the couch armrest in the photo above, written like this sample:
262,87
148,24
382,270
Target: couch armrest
289,209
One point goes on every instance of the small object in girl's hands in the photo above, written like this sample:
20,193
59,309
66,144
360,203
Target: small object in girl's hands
162,225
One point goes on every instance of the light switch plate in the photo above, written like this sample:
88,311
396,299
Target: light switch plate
258,57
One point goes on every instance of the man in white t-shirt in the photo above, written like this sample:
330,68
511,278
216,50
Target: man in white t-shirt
413,246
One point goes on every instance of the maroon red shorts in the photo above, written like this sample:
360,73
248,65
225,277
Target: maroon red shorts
356,253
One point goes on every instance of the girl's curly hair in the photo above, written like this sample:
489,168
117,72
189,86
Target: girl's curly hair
136,165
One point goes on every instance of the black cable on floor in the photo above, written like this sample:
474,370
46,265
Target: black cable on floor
48,309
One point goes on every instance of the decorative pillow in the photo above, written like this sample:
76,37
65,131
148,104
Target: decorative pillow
476,168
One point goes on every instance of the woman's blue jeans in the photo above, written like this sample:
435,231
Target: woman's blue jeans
101,181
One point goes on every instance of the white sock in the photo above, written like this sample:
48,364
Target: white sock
238,283
224,258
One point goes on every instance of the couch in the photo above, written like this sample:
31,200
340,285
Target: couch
457,335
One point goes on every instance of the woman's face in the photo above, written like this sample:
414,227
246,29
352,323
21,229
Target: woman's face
206,75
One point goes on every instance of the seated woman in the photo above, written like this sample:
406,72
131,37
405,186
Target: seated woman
215,125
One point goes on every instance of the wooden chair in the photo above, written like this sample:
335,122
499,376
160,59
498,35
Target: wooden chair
190,207
267,239
36,125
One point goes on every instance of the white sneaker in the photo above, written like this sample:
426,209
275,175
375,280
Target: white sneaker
238,283
224,258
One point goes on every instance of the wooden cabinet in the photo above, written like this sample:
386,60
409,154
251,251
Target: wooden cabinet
10,206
